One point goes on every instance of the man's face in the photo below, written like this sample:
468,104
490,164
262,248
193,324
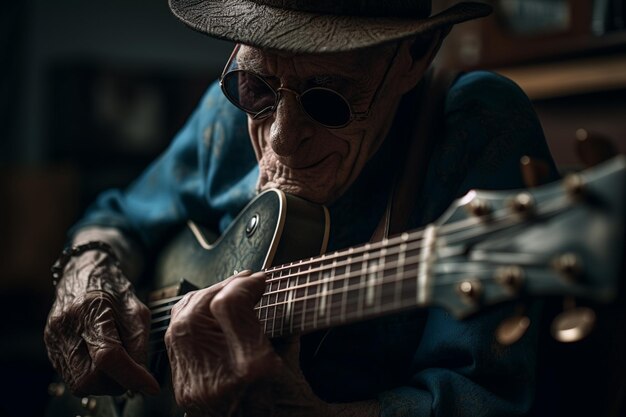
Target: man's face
300,156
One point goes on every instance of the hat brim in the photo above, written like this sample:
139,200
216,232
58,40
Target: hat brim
262,26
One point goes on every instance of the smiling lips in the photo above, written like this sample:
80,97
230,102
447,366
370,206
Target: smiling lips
314,166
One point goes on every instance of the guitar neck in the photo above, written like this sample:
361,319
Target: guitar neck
348,286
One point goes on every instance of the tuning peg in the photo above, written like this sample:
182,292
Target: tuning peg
534,171
593,148
574,323
513,328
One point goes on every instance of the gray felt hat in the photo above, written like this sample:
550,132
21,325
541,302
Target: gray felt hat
311,26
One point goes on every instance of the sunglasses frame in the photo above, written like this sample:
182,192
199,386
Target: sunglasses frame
268,111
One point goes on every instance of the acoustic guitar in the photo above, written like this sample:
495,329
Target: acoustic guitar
565,238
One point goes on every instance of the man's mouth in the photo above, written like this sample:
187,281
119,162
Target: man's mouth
314,165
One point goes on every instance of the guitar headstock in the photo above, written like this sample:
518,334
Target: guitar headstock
564,238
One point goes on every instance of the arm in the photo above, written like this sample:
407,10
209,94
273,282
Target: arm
97,329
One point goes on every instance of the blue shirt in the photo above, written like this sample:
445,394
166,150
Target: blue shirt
419,363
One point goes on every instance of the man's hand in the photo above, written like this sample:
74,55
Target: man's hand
223,363
97,330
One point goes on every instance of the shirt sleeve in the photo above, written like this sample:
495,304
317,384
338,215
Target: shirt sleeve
207,172
459,369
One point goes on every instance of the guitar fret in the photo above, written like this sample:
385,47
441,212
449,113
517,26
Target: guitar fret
381,281
264,308
372,275
346,283
363,286
331,286
288,299
409,291
295,300
274,306
281,298
353,297
399,272
317,292
306,296
334,304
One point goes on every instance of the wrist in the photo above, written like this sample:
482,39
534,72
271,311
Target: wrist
127,250
76,250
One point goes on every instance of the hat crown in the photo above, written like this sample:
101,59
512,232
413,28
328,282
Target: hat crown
364,8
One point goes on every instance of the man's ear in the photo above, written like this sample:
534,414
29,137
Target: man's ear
414,59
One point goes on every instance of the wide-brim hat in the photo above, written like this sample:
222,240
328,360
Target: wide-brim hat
314,26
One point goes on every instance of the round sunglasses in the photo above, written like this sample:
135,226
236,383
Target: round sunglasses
253,94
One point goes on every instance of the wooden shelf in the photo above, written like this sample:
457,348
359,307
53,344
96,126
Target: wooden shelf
566,78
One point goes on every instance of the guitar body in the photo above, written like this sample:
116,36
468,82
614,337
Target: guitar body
275,228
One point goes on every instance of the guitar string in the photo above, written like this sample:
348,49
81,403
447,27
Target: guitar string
367,249
311,320
326,281
387,290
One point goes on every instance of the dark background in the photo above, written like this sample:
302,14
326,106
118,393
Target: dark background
91,91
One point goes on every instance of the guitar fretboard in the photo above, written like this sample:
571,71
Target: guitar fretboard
343,287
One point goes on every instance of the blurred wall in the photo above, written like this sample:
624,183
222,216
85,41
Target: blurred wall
138,33
55,56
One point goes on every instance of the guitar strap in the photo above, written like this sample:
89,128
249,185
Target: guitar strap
421,134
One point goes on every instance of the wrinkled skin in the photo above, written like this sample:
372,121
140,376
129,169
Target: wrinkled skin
304,158
223,364
97,330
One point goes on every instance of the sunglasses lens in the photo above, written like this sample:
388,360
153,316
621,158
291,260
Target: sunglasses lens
326,107
248,92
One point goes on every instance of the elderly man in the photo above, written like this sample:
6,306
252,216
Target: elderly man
331,91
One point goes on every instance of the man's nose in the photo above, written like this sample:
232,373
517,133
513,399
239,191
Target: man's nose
291,126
